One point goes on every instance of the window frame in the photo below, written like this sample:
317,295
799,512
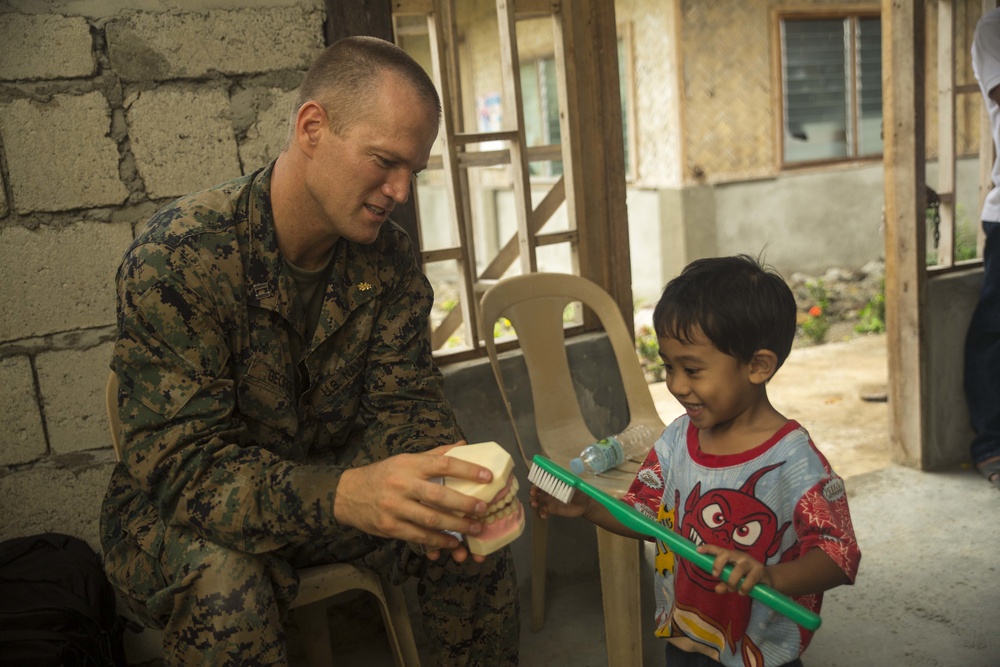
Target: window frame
626,74
851,14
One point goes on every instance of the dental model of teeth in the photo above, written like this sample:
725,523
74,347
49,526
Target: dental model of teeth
504,520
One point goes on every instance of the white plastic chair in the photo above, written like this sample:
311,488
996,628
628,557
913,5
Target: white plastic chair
534,305
318,584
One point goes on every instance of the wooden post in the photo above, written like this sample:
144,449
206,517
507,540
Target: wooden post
591,46
359,17
904,157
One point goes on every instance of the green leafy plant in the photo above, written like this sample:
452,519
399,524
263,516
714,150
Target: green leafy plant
648,349
965,247
502,328
816,324
872,316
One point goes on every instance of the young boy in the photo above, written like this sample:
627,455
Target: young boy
733,475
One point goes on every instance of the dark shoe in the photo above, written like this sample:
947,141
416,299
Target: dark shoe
990,469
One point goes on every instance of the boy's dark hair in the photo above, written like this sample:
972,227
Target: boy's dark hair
740,304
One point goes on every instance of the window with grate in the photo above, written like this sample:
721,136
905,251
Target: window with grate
831,76
462,257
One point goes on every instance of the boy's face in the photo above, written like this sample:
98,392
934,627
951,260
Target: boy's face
713,387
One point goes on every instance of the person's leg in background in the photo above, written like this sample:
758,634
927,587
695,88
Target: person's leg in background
982,363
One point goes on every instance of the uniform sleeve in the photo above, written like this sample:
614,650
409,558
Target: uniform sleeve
182,441
822,520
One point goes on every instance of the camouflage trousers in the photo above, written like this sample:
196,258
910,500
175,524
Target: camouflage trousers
219,606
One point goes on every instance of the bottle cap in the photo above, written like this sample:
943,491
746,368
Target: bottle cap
576,465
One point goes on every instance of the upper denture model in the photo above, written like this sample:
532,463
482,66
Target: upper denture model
504,520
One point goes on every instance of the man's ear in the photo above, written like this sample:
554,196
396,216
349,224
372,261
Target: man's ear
310,121
763,365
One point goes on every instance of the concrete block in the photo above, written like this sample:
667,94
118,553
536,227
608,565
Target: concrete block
45,46
79,170
21,436
147,46
267,136
71,383
59,279
49,498
182,139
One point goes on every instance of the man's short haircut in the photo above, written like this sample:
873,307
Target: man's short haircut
343,79
738,303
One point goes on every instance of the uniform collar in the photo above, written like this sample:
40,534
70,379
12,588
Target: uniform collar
268,285
356,274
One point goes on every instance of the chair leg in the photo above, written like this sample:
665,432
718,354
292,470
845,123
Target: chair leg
619,562
314,628
539,548
396,618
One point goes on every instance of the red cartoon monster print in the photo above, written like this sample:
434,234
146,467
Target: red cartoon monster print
733,519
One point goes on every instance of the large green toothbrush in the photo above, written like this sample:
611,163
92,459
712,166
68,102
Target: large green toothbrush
559,483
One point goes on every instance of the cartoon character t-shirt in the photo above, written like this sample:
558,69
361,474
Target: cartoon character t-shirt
775,502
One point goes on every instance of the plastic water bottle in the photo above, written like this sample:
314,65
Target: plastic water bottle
632,443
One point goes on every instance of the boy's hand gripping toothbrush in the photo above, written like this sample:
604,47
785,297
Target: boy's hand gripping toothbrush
559,484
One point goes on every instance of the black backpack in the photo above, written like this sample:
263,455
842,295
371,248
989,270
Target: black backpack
56,605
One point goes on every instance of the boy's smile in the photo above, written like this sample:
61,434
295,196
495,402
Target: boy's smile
714,388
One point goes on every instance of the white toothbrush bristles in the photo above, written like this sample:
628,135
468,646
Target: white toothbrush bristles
556,488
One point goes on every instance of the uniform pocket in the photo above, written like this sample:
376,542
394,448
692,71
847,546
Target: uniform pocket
337,397
264,396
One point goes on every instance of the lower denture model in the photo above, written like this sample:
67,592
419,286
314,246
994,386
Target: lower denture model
504,521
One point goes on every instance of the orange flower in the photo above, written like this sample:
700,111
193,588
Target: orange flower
815,311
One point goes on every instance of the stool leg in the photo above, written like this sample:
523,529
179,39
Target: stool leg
539,550
619,562
315,630
397,625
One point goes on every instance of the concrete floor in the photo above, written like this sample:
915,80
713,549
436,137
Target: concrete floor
927,591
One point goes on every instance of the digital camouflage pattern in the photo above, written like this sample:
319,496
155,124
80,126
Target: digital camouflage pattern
232,449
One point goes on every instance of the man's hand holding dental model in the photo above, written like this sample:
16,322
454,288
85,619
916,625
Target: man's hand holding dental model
402,497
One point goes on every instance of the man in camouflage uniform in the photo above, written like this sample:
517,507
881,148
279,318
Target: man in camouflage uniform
280,407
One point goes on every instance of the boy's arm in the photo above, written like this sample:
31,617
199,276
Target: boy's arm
581,505
814,572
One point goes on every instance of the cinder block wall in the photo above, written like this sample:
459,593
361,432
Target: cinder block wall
107,112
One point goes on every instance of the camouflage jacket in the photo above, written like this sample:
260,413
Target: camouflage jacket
220,424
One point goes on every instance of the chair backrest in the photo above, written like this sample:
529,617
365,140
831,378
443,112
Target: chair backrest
111,405
534,304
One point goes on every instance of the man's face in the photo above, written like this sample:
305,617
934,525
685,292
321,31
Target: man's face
356,178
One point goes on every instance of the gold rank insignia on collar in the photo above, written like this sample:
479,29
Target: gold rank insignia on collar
364,287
